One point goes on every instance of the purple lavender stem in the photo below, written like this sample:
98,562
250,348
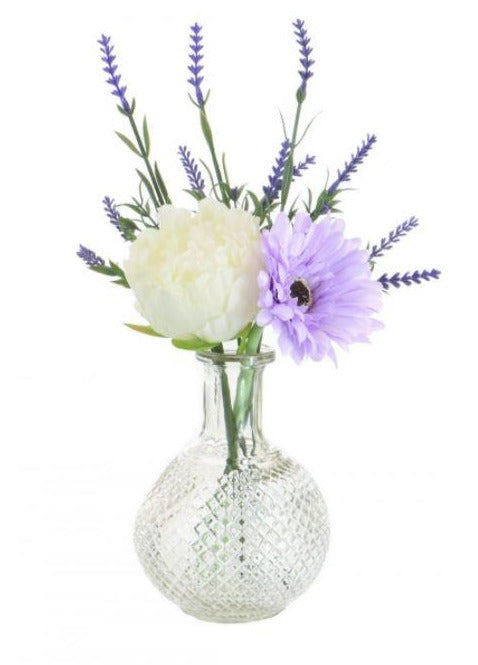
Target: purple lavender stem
393,237
89,257
351,166
303,166
271,191
111,69
195,67
416,277
192,170
234,193
112,212
303,40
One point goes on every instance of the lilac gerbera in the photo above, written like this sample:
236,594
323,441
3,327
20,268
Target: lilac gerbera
317,287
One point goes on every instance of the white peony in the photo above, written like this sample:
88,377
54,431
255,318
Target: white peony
196,276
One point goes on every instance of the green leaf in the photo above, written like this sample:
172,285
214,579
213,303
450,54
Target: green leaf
292,209
224,169
304,133
113,270
308,205
146,330
258,207
127,223
131,109
103,270
139,210
284,129
211,178
193,344
121,282
147,141
160,181
325,200
116,269
193,101
128,228
196,195
129,143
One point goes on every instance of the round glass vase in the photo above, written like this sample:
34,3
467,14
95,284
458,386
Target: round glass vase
233,530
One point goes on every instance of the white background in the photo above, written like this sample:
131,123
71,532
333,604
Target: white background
92,412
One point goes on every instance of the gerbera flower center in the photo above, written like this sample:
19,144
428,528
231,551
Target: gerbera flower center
300,290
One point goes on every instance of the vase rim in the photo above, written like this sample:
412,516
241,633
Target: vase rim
264,357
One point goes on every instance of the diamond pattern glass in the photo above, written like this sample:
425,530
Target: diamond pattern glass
232,545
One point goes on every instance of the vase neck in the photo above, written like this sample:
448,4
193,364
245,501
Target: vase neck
233,403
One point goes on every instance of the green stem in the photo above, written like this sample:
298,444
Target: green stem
245,382
206,128
232,463
236,416
217,171
254,339
289,167
162,196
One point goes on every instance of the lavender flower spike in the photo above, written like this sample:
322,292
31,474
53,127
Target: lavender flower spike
91,259
393,236
112,212
416,277
303,166
192,170
351,167
303,40
111,69
271,191
195,67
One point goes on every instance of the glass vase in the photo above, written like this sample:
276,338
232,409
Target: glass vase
233,530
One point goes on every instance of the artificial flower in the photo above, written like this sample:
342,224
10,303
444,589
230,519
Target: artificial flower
196,275
317,288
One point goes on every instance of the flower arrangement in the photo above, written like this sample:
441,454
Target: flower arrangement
244,260
233,530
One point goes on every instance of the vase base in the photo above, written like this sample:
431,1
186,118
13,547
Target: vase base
238,619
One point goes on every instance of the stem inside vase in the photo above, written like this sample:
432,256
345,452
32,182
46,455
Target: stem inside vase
235,385
236,416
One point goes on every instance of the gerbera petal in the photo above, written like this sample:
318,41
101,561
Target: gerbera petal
266,299
301,331
344,295
302,222
296,244
264,317
283,312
